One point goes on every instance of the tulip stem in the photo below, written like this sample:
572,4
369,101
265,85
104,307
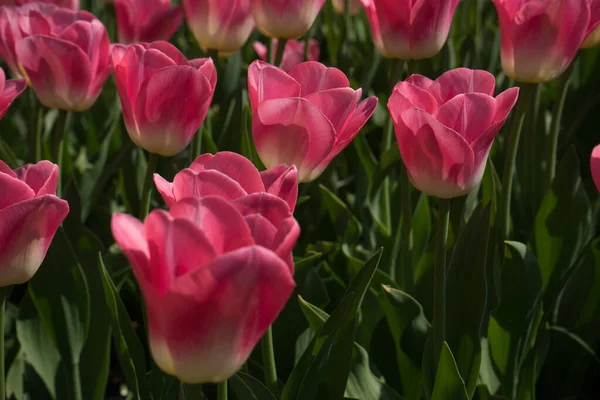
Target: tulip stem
222,390
76,378
4,291
147,188
59,143
406,229
526,95
35,133
439,280
268,359
279,53
552,149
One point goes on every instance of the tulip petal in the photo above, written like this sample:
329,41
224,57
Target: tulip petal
315,77
12,88
161,25
285,240
219,219
420,81
595,166
274,209
170,51
294,132
460,81
130,235
439,161
263,231
59,71
42,177
207,67
13,191
187,183
282,181
354,124
166,190
266,82
233,165
25,234
5,169
167,119
206,327
407,95
468,114
176,247
481,146
335,104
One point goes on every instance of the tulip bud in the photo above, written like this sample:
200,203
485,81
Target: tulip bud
445,128
30,214
215,273
146,20
293,53
9,90
222,25
285,19
67,60
231,176
340,6
407,29
539,39
71,4
305,117
165,97
595,166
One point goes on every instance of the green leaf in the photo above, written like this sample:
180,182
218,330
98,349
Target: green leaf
60,293
361,383
562,223
409,327
247,387
346,225
127,344
512,324
421,227
448,383
95,355
466,295
578,316
310,366
38,348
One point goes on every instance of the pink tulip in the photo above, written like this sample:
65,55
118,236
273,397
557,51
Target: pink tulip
9,90
340,6
445,128
305,117
231,176
222,25
146,20
165,97
71,4
285,19
595,166
408,29
16,24
30,214
540,38
293,53
593,39
214,274
67,59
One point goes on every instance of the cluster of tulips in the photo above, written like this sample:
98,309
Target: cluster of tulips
216,268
